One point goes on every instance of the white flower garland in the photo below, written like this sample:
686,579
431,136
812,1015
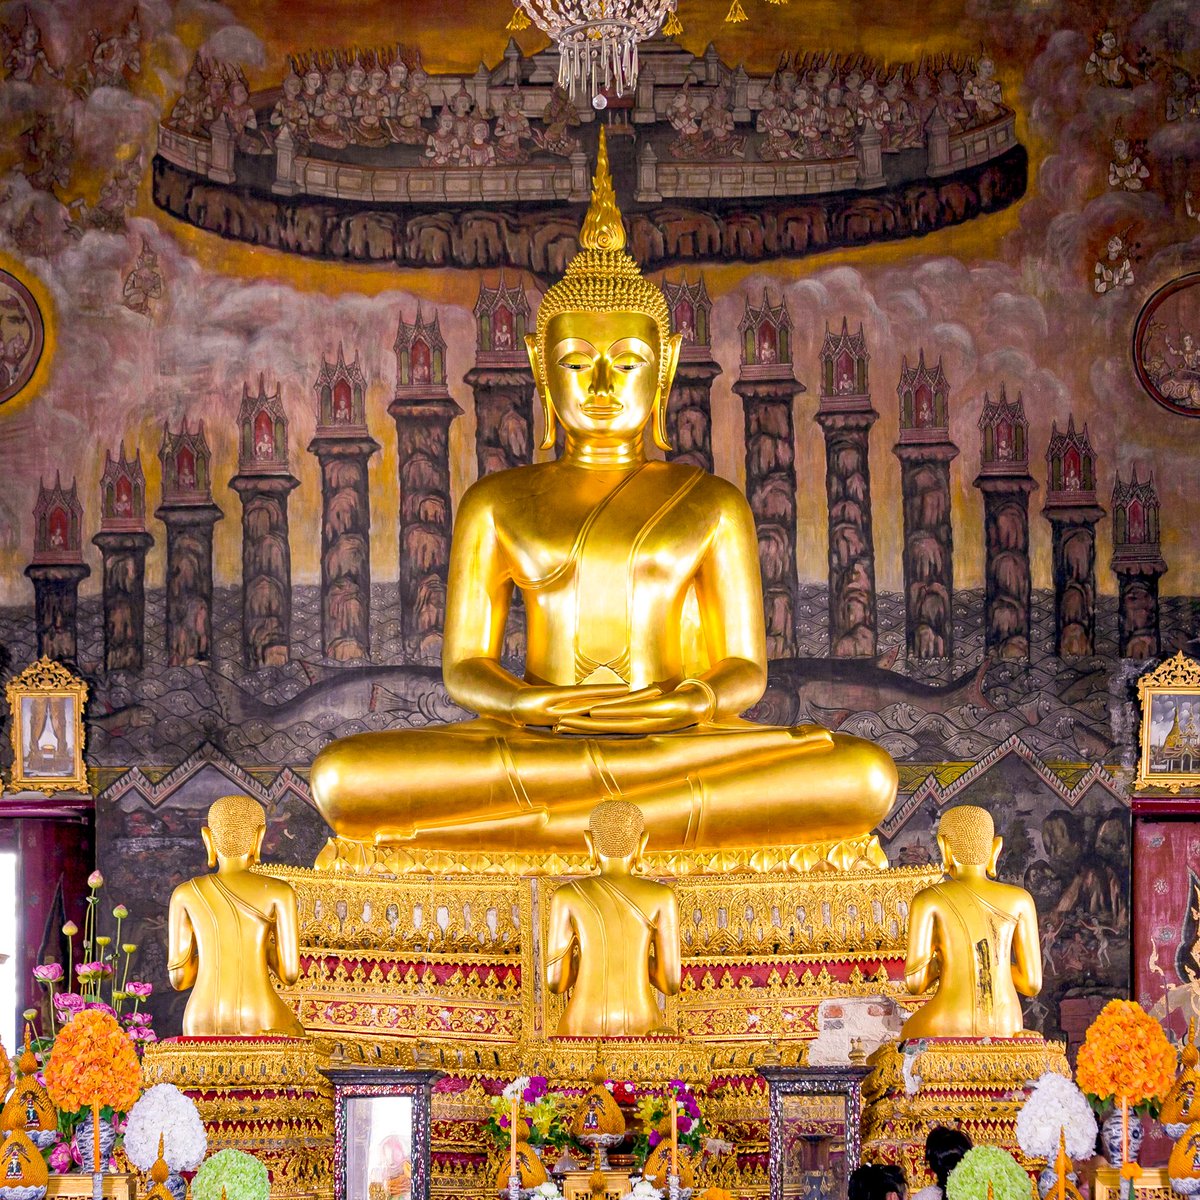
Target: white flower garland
165,1111
1056,1104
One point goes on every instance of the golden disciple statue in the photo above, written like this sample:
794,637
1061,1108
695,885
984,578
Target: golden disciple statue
973,937
229,930
613,938
644,630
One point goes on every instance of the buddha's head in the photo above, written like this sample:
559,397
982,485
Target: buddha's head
967,839
235,829
603,354
616,835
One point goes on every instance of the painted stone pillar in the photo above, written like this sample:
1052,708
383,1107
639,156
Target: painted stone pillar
1073,513
1006,484
845,416
689,407
1138,563
925,453
768,388
188,512
57,569
263,485
423,410
343,448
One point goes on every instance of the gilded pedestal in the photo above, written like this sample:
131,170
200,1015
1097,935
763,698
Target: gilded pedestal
264,1095
977,1085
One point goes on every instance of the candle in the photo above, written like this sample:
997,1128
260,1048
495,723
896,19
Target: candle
512,1139
674,1137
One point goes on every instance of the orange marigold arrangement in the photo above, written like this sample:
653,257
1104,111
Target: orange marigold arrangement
1126,1058
93,1065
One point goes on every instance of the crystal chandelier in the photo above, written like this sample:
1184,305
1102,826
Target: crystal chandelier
597,40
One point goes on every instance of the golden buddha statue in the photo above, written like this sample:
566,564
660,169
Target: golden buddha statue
644,631
613,938
228,931
973,937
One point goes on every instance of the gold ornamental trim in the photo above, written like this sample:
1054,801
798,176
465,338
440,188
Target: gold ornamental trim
236,1064
346,856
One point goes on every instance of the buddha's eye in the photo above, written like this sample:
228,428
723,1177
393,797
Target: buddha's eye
574,363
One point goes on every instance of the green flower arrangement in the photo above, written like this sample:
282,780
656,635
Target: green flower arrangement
982,1165
241,1176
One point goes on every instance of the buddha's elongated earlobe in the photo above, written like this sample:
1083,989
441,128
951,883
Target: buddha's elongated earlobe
543,393
671,348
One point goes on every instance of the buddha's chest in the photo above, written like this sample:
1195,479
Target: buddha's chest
597,544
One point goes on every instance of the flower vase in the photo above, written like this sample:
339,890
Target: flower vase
84,1144
1048,1179
1112,1137
177,1185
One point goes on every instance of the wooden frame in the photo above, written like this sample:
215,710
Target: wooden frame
46,713
355,1092
1170,734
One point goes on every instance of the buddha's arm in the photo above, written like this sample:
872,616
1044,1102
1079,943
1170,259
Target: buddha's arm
478,593
921,962
182,962
665,967
1027,950
560,946
729,592
287,937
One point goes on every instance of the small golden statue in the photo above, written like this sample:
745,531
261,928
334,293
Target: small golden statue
613,938
644,615
973,937
228,931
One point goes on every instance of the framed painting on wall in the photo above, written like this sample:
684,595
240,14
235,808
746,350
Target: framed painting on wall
1170,738
46,712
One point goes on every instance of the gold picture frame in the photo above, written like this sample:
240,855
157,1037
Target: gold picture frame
45,704
1170,736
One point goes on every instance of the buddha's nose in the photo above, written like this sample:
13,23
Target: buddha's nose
602,377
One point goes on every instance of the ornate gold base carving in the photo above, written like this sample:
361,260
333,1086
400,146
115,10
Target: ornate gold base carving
267,1096
365,858
978,1085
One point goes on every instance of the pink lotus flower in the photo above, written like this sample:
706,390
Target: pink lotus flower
93,970
141,1018
95,880
142,1033
99,1006
140,990
60,1159
70,1002
48,973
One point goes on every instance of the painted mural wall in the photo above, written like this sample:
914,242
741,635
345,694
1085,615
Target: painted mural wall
267,273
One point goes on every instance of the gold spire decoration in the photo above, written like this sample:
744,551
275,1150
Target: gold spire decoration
159,1174
735,16
603,228
519,20
673,26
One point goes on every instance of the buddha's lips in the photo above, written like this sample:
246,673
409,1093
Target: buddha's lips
601,408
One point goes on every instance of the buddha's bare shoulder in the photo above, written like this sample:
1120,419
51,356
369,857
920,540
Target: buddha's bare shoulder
503,488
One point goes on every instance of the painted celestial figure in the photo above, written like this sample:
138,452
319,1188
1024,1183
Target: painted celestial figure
973,938
228,931
613,937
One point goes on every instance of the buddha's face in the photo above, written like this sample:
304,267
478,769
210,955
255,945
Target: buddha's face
602,372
